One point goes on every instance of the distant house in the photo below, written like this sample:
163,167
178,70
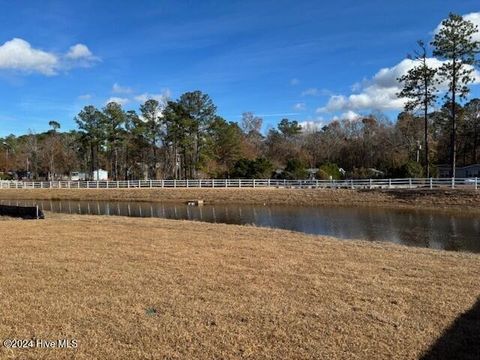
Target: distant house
78,176
460,172
376,173
100,175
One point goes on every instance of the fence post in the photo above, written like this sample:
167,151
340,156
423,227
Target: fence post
453,183
351,183
187,183
254,183
389,183
370,183
431,183
409,183
174,183
476,183
268,182
239,183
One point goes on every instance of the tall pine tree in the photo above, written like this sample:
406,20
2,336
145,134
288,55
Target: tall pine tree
454,44
419,87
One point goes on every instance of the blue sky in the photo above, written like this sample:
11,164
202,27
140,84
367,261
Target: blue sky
298,59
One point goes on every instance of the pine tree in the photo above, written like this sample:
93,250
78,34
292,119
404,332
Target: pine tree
454,44
419,87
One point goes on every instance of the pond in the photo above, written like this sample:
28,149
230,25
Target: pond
432,229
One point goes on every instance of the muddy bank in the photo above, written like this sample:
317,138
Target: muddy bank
426,199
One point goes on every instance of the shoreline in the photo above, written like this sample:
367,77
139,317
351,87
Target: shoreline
456,200
137,287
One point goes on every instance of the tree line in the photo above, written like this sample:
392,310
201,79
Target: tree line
186,138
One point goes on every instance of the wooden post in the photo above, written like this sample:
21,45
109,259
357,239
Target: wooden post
431,183
410,183
453,183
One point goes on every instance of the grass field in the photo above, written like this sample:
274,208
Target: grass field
463,200
129,288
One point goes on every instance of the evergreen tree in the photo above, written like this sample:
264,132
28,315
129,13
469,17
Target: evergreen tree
419,87
455,45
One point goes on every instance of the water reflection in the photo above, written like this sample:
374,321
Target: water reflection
439,230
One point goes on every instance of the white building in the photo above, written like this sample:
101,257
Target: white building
100,175
78,176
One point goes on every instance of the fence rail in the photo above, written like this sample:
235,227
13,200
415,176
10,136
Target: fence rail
408,183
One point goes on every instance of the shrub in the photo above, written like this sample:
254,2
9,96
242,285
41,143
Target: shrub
252,169
328,171
295,169
410,169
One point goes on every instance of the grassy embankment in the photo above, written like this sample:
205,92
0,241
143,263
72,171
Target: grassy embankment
130,288
425,199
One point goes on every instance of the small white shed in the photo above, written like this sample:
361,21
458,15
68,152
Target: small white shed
100,175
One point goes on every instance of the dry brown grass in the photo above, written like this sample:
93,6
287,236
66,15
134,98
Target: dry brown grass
131,288
425,199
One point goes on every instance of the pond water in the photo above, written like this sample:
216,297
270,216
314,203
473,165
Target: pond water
440,230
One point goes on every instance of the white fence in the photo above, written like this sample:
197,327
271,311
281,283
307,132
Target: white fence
412,183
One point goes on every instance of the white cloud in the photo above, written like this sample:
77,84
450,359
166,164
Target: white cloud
118,100
309,126
473,17
79,51
162,98
18,54
316,92
294,82
349,115
380,92
85,97
79,55
117,89
310,92
300,106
